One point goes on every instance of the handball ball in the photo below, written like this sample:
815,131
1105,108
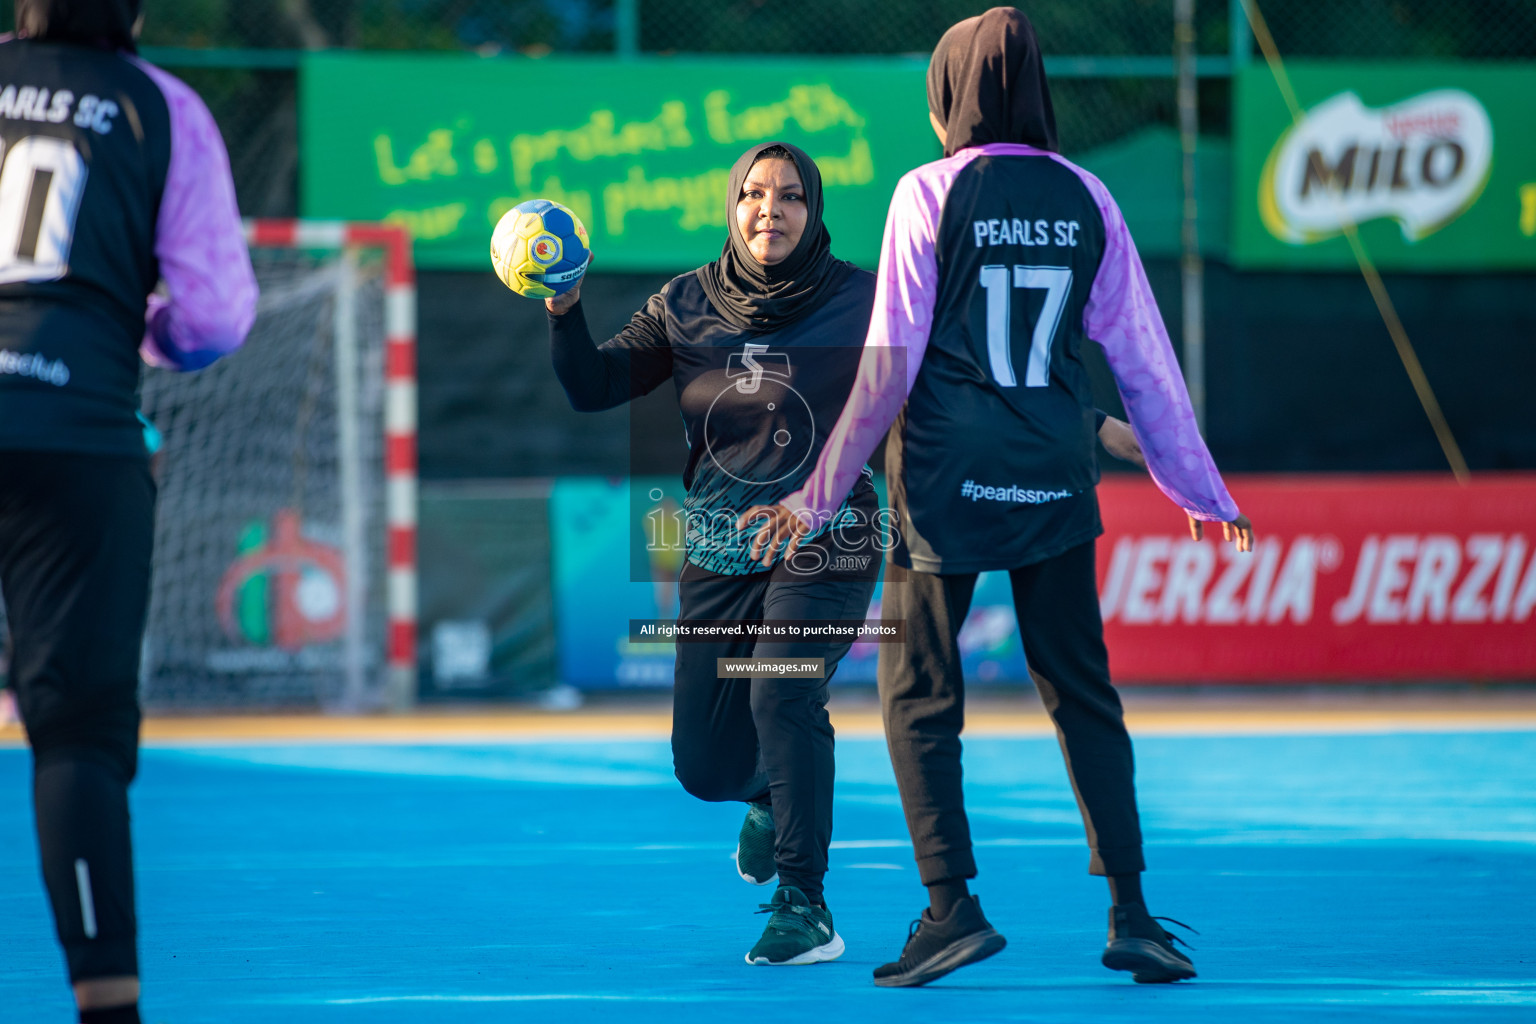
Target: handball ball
539,249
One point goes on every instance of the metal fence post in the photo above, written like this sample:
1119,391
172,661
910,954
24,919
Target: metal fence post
626,28
1240,39
1192,266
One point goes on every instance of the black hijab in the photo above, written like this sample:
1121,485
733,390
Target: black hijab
986,83
754,296
107,24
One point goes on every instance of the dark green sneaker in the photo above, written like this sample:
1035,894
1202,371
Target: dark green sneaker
755,847
797,933
1137,943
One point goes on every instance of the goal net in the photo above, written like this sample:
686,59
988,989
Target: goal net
284,534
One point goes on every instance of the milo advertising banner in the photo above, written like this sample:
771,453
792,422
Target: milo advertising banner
640,150
1435,163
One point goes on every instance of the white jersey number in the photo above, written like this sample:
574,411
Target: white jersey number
1056,282
41,182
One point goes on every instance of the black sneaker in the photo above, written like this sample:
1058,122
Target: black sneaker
756,855
1137,943
934,948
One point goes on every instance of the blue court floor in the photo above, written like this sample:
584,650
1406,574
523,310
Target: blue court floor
1335,877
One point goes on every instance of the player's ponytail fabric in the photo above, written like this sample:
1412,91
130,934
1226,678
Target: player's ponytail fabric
752,296
107,24
986,83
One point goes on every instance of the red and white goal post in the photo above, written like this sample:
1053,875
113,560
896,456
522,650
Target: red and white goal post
288,482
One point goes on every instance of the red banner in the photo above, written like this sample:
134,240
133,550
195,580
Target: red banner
1352,578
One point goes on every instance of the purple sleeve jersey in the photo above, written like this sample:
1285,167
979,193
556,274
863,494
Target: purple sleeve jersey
1122,316
997,263
204,262
113,178
905,288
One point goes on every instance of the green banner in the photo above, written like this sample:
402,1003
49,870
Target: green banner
1436,164
640,150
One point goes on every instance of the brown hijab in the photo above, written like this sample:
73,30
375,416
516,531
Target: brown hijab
986,83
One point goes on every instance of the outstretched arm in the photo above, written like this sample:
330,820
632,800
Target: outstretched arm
893,352
1122,316
597,377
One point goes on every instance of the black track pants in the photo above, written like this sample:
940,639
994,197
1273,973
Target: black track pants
765,737
922,696
76,533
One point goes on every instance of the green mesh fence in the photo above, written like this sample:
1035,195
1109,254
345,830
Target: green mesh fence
524,25
1404,29
1110,59
1474,29
1107,27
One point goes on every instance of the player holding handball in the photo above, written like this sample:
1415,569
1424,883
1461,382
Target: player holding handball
762,347
114,178
998,261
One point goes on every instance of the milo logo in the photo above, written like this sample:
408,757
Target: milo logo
1422,162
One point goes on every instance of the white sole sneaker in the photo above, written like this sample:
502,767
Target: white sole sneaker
823,953
736,859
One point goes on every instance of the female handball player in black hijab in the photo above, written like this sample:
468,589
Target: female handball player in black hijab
998,261
762,346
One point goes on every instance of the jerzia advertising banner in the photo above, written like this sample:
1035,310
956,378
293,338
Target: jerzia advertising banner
1436,164
1351,579
447,144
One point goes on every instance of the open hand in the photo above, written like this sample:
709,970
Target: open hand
778,524
1239,531
1120,441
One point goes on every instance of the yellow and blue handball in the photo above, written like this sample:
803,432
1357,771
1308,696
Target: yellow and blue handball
540,249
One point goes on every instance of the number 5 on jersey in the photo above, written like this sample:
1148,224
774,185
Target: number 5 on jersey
41,181
1056,282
